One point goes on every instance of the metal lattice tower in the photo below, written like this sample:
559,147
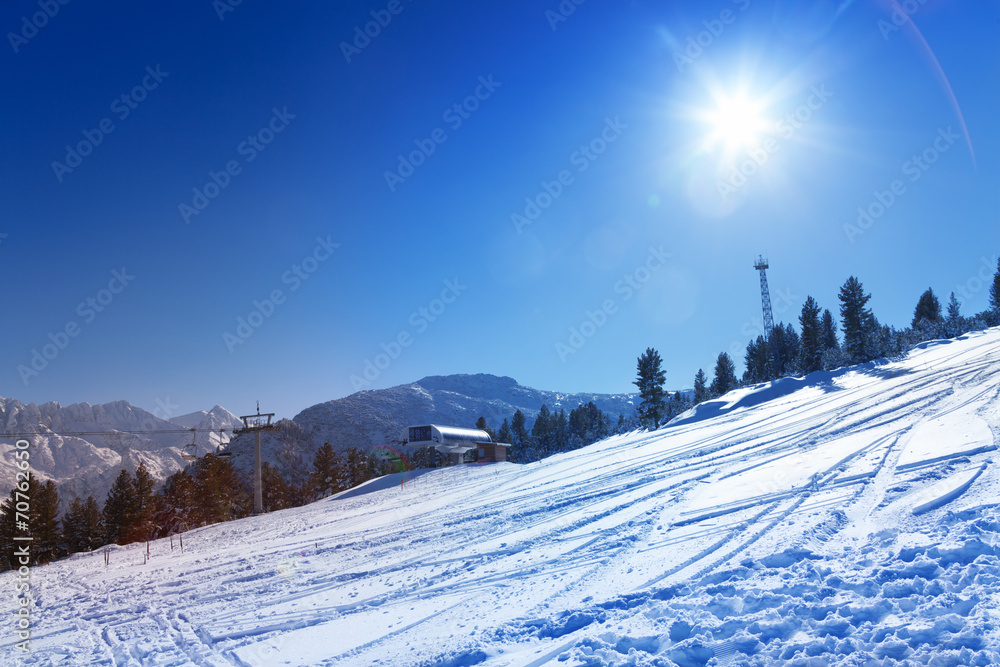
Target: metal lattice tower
765,296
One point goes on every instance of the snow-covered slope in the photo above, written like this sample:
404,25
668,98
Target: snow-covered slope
88,464
852,519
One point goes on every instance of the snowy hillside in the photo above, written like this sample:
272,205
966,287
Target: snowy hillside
844,519
88,464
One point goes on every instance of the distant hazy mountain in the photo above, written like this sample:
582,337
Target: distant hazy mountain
376,418
370,418
87,464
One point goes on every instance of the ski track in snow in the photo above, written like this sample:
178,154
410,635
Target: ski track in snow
853,518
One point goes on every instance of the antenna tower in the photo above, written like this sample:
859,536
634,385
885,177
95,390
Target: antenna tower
765,296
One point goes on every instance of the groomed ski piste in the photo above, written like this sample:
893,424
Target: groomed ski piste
844,518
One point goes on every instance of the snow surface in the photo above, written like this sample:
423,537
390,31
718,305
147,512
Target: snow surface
848,518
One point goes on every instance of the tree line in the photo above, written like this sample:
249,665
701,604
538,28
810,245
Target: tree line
816,346
555,431
208,491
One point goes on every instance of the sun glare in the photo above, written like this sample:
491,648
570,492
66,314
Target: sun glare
736,123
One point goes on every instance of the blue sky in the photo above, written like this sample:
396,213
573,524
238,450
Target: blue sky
592,178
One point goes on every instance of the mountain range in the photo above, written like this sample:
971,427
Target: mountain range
83,447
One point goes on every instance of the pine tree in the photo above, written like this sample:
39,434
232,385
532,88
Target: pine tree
856,320
783,350
829,331
954,308
373,466
649,380
275,493
71,526
756,361
120,509
518,430
483,426
811,350
145,503
541,433
82,528
9,529
46,536
725,375
355,468
90,525
928,309
504,434
700,390
325,478
219,496
41,518
179,505
559,431
995,290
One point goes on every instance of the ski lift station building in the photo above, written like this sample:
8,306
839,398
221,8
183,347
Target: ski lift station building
456,445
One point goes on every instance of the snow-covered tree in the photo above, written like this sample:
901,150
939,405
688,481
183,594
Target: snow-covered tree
725,375
811,348
649,379
995,290
756,362
830,341
700,387
856,320
954,308
928,309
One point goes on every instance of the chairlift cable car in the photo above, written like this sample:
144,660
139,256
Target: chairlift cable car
218,449
191,451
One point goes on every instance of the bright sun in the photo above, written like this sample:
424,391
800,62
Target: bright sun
736,123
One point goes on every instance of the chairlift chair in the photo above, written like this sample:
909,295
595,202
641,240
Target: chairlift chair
190,452
218,449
